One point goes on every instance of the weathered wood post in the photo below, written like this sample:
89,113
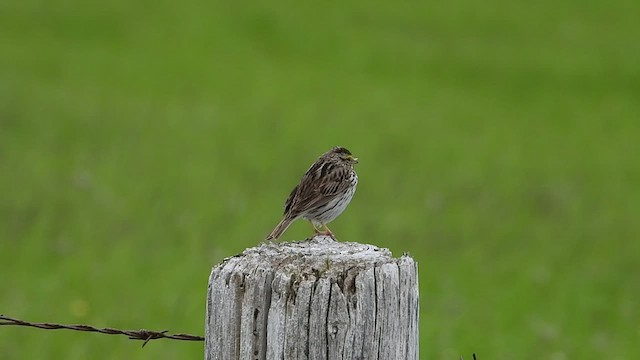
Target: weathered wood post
315,299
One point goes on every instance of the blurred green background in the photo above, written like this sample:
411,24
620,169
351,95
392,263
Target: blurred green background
143,142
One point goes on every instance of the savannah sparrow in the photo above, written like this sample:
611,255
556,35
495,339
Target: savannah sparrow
323,193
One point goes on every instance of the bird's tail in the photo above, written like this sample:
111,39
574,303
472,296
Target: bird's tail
280,228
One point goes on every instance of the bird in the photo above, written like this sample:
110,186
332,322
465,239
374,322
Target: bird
323,193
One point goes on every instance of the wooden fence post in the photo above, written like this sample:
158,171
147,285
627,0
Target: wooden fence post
315,299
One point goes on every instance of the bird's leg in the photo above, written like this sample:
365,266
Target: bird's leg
316,231
327,231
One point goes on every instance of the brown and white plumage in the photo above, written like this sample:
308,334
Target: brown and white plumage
323,193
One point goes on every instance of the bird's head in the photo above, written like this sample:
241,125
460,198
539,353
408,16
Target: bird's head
344,155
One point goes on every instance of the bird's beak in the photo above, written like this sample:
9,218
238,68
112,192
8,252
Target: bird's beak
354,159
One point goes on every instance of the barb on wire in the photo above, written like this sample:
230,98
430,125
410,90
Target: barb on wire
145,335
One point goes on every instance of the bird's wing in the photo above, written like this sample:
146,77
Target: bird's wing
290,200
314,192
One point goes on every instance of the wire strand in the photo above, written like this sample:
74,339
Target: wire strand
145,335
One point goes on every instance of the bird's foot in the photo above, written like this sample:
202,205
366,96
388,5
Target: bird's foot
327,233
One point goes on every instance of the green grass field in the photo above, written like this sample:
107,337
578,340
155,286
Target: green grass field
141,143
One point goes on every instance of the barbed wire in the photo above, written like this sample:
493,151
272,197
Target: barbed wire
145,335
